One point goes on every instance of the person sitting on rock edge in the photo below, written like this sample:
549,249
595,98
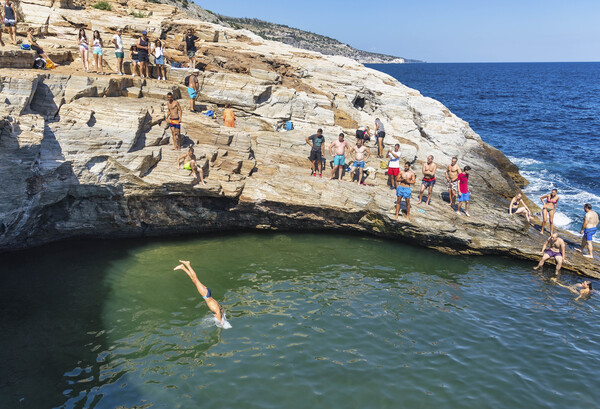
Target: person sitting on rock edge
554,247
36,47
406,178
317,152
189,163
588,229
518,206
173,116
339,158
360,154
204,291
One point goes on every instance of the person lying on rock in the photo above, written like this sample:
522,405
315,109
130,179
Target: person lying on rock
405,179
173,116
518,206
554,247
581,289
204,291
189,163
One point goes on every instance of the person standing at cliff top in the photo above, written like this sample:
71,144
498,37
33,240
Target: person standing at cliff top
117,40
360,154
549,209
9,16
379,135
228,117
554,247
190,163
394,166
317,152
340,147
143,47
452,172
464,193
174,115
190,48
407,178
84,49
590,224
428,181
193,87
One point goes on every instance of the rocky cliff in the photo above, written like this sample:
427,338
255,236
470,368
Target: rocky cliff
85,155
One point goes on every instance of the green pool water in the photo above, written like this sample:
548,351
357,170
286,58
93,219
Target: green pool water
317,321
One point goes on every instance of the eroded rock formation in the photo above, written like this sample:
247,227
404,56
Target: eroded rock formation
88,155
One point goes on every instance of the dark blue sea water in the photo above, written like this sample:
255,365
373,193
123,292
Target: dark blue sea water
544,116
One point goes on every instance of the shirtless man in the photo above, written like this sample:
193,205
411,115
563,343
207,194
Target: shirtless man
173,115
405,179
189,163
452,172
590,223
340,146
553,247
429,170
581,289
360,154
212,304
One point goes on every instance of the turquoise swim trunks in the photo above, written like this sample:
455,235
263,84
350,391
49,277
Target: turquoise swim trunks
192,93
339,160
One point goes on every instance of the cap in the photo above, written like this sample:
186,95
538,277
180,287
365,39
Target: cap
144,32
196,70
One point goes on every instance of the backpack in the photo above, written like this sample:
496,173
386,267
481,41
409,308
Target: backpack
360,134
186,81
39,63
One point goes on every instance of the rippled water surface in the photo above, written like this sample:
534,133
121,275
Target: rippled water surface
544,116
318,321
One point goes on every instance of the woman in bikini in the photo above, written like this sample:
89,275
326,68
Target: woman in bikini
549,209
518,206
84,49
204,291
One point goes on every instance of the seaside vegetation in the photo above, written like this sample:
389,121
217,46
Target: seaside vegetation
102,5
138,14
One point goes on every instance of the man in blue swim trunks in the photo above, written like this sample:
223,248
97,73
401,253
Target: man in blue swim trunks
406,178
360,154
590,224
212,304
193,87
338,150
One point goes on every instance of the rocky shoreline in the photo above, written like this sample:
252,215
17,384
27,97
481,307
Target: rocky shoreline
85,155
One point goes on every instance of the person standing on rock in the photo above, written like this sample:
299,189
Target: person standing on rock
518,206
554,247
190,48
464,193
10,21
428,181
174,115
97,45
338,150
317,152
159,60
193,87
452,172
590,224
228,117
406,179
84,49
189,163
549,209
143,46
360,154
394,166
117,40
379,135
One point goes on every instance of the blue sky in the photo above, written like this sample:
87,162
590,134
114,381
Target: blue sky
442,31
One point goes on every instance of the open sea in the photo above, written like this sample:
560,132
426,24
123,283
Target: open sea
544,116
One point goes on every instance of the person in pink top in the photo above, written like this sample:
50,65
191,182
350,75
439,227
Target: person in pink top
338,150
463,190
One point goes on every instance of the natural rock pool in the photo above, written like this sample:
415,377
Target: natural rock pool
318,321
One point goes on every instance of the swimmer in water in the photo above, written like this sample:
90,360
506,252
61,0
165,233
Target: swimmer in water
212,304
581,289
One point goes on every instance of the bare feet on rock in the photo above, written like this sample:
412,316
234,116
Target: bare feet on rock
587,256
